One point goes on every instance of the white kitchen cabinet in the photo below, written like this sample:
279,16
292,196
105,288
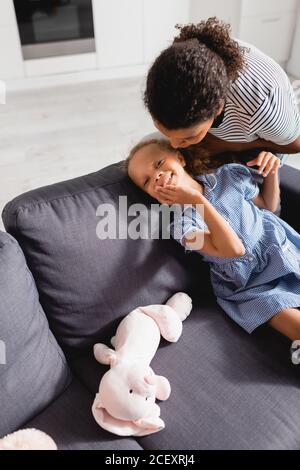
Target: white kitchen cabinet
266,7
159,19
11,62
275,34
269,25
226,10
11,59
7,12
118,32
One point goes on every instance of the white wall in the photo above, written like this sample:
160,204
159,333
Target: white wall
269,25
226,10
294,63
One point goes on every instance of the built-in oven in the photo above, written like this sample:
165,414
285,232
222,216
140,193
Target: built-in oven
50,28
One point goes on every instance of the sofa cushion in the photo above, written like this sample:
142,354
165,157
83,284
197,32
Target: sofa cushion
230,390
69,421
33,369
290,194
87,284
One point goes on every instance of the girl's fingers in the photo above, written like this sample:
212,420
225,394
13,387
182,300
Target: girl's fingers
163,199
252,162
269,166
169,188
258,160
264,162
272,166
276,166
165,192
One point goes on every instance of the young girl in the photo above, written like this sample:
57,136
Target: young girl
253,255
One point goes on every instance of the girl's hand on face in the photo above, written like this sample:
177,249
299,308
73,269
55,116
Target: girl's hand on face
267,163
173,194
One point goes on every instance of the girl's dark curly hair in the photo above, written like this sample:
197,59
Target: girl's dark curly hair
188,82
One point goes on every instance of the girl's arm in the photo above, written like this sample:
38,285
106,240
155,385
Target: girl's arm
221,240
269,196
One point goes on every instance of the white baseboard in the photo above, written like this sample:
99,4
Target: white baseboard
45,81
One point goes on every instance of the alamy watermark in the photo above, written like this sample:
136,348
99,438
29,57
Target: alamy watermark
295,352
2,353
2,92
159,221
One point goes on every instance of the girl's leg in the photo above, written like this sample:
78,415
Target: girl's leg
287,322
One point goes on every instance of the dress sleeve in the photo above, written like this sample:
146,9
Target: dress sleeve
243,180
278,118
185,223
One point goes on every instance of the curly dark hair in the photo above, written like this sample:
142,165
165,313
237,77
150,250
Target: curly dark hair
198,162
188,82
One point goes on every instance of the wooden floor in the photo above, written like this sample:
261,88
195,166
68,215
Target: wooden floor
58,133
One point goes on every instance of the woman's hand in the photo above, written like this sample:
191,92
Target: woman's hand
267,163
173,194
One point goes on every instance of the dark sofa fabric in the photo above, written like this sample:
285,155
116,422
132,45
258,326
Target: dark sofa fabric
34,371
70,423
230,390
290,195
87,284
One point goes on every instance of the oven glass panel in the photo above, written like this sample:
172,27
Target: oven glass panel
46,21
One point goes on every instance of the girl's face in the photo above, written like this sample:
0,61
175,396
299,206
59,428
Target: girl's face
151,167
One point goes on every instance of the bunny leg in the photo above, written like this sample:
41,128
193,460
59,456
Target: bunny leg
182,304
170,325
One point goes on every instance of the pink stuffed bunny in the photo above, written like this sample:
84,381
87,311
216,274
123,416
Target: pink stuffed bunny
125,404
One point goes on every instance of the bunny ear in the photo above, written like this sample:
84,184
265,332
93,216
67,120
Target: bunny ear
105,355
121,427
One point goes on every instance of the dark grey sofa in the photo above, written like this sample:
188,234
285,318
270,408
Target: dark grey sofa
229,390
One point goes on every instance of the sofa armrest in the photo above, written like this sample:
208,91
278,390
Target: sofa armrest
290,196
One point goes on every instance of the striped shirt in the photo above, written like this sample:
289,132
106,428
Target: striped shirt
261,104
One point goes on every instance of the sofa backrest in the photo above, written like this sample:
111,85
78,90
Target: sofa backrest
87,284
33,369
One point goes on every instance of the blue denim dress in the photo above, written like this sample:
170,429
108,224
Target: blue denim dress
253,288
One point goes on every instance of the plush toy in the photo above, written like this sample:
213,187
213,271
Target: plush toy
27,439
125,404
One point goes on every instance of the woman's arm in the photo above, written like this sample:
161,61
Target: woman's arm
269,196
214,146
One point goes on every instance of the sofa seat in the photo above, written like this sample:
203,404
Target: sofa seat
230,390
69,421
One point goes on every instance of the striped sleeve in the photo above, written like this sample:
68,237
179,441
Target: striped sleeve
277,119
